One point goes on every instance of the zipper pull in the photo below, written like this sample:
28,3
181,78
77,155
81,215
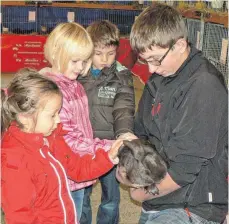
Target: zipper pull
188,212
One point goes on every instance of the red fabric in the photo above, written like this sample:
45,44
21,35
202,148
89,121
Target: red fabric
141,71
19,51
125,55
30,187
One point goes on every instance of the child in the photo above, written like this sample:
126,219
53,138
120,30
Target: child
68,49
35,158
140,166
184,112
109,87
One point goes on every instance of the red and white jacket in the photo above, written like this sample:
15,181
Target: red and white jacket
34,176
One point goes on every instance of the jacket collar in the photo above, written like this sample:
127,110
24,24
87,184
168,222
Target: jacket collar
29,140
188,67
61,78
105,71
184,70
108,71
193,64
33,141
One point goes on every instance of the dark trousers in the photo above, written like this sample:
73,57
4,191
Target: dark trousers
108,212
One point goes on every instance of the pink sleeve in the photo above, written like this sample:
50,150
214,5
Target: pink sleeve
75,119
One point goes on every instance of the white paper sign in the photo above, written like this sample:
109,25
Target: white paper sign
71,16
223,55
32,16
198,40
0,18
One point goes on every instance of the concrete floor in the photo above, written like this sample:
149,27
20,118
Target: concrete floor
129,210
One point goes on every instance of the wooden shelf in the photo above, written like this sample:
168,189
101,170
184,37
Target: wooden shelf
206,16
13,3
76,5
94,6
218,18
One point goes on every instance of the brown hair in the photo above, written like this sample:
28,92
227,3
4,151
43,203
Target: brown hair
158,25
24,95
104,33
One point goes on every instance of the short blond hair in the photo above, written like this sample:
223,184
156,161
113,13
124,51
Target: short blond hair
104,33
158,25
68,40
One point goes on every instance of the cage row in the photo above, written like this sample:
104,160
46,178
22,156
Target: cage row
210,38
24,20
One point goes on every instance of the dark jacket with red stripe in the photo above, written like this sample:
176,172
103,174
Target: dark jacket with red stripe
34,176
185,116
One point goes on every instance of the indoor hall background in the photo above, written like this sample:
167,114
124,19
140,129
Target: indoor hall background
207,35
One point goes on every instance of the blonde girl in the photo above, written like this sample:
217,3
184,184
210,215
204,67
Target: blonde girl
68,49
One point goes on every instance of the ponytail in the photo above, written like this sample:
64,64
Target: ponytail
23,95
5,117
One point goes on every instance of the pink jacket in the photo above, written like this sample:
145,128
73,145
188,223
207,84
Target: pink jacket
74,116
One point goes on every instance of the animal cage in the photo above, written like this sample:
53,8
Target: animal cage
210,38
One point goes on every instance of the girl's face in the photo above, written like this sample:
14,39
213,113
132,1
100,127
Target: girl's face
75,68
46,118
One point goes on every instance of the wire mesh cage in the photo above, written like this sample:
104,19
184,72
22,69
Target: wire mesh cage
49,17
215,47
86,16
211,38
42,20
123,19
195,32
19,19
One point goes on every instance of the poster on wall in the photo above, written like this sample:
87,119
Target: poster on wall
19,51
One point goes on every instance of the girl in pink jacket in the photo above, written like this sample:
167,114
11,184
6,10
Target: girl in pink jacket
35,160
68,49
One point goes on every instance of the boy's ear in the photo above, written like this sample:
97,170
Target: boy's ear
182,45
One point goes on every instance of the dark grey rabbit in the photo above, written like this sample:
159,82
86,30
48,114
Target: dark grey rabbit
144,165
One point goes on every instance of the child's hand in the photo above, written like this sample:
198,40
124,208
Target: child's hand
114,151
128,136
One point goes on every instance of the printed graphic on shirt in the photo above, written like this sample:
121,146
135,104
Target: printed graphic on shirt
107,92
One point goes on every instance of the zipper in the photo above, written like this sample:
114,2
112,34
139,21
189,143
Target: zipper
188,212
60,184
66,184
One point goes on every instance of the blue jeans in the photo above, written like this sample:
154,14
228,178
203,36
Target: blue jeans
77,197
172,216
108,212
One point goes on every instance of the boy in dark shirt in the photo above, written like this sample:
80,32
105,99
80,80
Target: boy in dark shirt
110,91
